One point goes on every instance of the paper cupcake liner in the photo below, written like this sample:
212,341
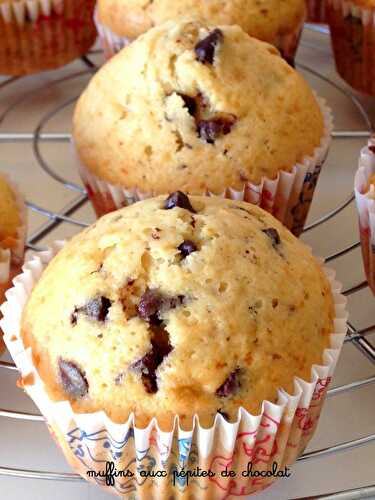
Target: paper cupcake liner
365,200
278,434
316,11
112,43
11,259
353,41
38,35
288,197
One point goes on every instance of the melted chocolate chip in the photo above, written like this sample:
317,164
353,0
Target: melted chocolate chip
210,130
230,385
150,362
186,248
273,236
98,308
147,366
190,103
205,49
73,379
153,303
178,199
150,305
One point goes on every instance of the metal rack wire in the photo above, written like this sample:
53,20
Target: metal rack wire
357,337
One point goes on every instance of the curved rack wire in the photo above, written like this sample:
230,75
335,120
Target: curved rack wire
355,336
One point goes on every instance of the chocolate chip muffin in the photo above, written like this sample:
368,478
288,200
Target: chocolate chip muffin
11,246
10,219
352,28
198,108
178,305
269,20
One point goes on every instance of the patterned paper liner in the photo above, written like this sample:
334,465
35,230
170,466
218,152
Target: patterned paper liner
316,11
353,41
11,259
365,199
112,43
37,35
288,197
278,434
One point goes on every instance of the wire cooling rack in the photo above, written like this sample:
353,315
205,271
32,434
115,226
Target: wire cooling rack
37,137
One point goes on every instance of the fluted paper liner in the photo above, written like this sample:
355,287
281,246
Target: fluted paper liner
11,259
288,197
278,434
365,200
37,35
112,43
352,30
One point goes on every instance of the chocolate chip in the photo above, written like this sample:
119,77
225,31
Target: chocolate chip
190,103
186,248
230,385
98,308
205,49
178,199
74,317
273,236
150,305
210,130
150,362
224,414
73,379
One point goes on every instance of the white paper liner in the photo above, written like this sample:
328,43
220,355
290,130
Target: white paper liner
365,201
23,11
288,197
113,43
278,434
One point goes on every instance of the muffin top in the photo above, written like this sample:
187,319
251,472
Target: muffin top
263,19
195,108
178,305
9,214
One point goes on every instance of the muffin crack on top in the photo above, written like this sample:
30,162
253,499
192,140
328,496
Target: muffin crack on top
163,316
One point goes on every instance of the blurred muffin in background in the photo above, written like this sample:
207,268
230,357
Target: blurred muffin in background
277,22
37,35
352,25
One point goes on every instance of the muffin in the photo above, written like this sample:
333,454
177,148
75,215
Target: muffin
364,188
38,35
145,333
353,41
275,22
204,110
316,11
12,235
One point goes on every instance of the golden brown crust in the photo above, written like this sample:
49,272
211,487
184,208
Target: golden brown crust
133,128
247,301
